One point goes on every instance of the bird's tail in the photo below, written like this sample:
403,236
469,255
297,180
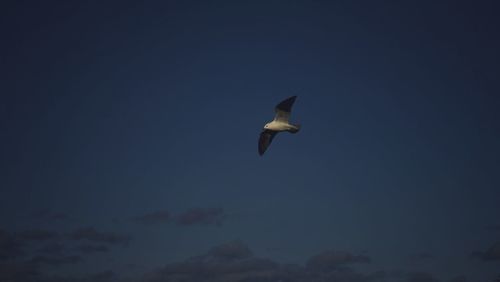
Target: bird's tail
295,128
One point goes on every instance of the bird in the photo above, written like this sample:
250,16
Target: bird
279,124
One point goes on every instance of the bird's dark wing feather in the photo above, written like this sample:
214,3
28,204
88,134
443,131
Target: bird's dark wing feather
265,139
286,105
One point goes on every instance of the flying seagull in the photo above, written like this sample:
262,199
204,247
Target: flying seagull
279,124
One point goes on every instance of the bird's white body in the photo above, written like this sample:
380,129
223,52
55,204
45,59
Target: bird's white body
280,126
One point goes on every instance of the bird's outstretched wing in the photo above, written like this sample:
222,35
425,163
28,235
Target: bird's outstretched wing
265,139
283,109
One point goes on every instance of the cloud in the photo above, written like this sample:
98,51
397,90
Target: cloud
350,275
421,257
91,234
26,255
459,279
56,260
100,277
195,216
228,262
491,254
14,245
210,216
37,235
330,260
234,262
52,249
154,217
17,263
231,251
10,246
420,277
198,270
19,272
104,276
89,249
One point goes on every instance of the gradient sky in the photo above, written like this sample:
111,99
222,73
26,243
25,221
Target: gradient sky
129,136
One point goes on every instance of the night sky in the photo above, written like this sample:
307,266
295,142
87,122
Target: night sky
129,141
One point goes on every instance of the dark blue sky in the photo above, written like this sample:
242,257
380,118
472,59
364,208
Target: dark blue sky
129,140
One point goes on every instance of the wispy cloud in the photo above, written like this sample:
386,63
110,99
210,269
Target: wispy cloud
234,261
55,248
329,260
421,257
88,249
420,277
156,217
230,251
37,235
26,255
491,254
194,216
92,235
56,260
19,272
460,278
209,216
10,246
103,276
